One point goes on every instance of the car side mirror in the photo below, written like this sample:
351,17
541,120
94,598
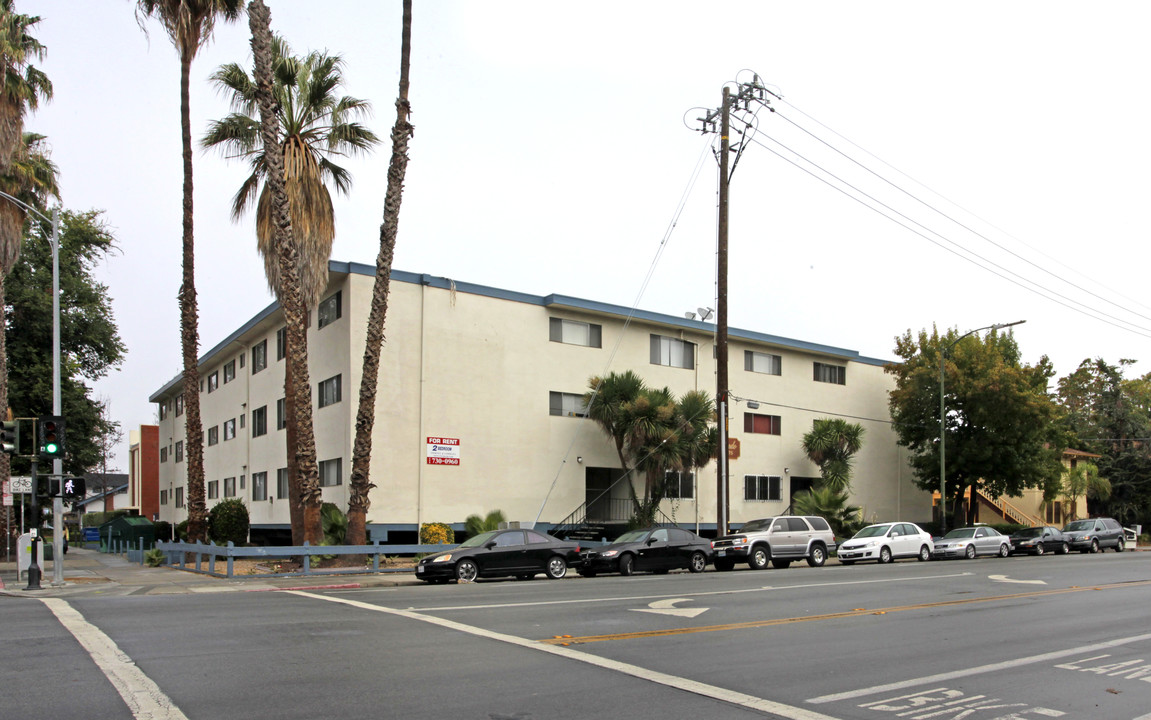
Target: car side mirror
651,541
490,544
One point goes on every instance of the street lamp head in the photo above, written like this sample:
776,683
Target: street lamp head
1006,325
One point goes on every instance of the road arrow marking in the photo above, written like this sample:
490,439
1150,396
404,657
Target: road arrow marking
667,607
1004,578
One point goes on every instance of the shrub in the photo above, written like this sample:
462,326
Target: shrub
163,530
154,558
228,522
335,524
437,534
182,530
474,524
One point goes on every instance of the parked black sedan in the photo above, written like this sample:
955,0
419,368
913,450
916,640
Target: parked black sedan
501,553
654,549
1038,540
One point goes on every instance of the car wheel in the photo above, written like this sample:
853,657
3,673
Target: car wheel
627,564
924,554
1064,549
698,562
884,555
969,553
818,556
759,558
1039,549
724,564
467,570
1004,550
781,564
1119,546
1095,545
556,567
846,562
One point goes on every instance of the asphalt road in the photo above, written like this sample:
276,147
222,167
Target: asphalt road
1049,637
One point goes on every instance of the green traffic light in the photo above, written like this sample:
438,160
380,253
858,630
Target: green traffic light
51,448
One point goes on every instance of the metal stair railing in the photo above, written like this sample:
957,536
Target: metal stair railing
1011,512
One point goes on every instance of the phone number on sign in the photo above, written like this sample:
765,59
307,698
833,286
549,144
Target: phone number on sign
443,461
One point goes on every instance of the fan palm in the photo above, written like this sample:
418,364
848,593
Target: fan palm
21,88
831,445
189,25
360,486
831,505
315,125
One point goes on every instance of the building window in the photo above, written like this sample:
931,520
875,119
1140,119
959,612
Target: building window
282,483
179,497
163,497
576,333
163,454
243,418
229,371
260,421
765,363
259,486
761,487
281,343
678,484
761,424
259,356
230,487
180,451
281,416
1054,512
834,374
213,489
163,410
329,311
214,381
329,392
672,352
242,481
330,472
230,429
179,405
567,404
213,435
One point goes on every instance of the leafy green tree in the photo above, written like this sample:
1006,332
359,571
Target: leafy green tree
653,433
189,25
228,522
90,343
1003,429
315,125
830,444
1083,480
832,505
474,524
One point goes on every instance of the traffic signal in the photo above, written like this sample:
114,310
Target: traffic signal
74,488
10,436
51,437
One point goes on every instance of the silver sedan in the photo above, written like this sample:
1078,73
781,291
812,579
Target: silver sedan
971,541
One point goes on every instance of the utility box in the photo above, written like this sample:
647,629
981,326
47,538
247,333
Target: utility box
24,554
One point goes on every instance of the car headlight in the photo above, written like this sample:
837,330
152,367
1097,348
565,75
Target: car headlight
609,553
739,541
442,558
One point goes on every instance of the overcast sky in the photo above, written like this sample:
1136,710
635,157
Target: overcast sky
554,143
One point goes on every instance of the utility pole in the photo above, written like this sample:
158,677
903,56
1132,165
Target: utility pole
723,502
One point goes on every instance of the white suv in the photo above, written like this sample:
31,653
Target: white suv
778,541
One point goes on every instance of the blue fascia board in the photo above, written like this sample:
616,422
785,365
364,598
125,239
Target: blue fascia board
337,267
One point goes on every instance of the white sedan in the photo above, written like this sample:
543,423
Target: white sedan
885,542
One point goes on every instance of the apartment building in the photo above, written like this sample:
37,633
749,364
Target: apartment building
479,408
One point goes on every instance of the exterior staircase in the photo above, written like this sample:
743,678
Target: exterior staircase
1011,512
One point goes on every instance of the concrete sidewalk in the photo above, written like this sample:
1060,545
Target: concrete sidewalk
89,573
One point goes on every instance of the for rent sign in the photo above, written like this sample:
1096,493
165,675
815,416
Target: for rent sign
443,451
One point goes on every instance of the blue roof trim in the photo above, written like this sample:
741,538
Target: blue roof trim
353,268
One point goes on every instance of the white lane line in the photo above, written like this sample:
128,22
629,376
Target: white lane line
582,601
679,683
993,667
142,696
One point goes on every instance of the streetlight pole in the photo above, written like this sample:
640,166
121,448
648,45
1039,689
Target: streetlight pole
943,350
57,463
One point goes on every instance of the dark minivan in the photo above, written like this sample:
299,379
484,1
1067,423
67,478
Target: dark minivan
1094,534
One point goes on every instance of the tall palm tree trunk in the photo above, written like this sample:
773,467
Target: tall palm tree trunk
295,315
360,486
5,460
189,328
295,508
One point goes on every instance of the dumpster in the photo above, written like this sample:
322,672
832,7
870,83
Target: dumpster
127,531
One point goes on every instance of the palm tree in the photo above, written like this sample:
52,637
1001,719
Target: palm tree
360,485
314,125
1083,481
831,445
189,25
831,505
474,524
21,88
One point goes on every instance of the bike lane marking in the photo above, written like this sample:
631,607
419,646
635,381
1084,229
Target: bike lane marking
672,681
143,697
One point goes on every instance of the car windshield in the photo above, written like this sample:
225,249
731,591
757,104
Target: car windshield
960,533
1030,532
632,536
478,540
872,531
756,525
1081,525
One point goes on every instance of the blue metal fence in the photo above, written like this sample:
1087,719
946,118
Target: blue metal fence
177,554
